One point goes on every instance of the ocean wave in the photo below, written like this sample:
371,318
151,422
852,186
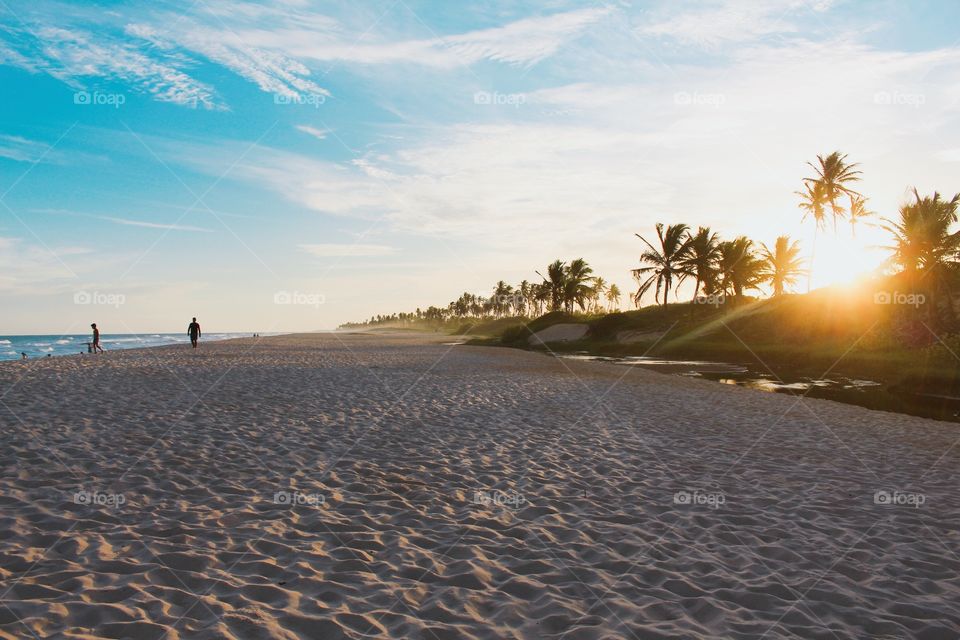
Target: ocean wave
67,341
5,342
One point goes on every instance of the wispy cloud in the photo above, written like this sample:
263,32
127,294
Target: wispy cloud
157,53
711,24
153,225
21,149
27,268
320,134
76,56
125,221
347,250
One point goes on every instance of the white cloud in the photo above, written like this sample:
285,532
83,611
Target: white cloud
21,149
124,221
32,268
269,55
633,154
319,134
153,225
75,55
272,71
717,23
347,250
267,46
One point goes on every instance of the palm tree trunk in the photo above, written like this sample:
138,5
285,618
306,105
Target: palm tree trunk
813,255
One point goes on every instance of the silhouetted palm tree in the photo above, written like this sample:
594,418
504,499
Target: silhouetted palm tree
739,268
666,263
523,304
502,294
702,259
556,277
858,211
613,297
814,205
783,265
923,243
542,294
597,290
576,286
833,175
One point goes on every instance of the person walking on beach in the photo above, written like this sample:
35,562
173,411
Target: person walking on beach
194,331
96,339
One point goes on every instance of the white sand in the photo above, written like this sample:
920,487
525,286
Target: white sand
400,436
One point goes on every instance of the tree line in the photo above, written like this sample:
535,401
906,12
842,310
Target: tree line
924,253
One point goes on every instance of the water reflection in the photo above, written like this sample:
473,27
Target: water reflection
866,393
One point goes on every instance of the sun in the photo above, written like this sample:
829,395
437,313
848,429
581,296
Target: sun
844,259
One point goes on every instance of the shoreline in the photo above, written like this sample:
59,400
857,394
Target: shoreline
107,339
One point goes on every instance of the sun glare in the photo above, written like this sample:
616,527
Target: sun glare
844,260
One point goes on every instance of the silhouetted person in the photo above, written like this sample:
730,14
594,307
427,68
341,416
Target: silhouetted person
194,331
96,338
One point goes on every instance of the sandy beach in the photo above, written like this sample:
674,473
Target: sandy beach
332,486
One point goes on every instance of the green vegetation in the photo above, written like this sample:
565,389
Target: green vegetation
902,328
837,330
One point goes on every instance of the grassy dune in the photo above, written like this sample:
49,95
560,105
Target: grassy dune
842,331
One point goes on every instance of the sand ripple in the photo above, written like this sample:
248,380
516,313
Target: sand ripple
394,487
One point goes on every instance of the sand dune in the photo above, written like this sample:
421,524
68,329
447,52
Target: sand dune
351,486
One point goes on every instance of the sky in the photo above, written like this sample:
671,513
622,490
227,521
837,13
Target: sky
293,165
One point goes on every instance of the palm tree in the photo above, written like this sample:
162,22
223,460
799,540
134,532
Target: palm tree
596,291
666,263
702,259
556,277
501,298
833,174
858,211
813,202
923,244
576,287
739,268
783,265
522,298
542,294
613,297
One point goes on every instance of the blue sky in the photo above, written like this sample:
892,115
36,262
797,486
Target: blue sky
202,158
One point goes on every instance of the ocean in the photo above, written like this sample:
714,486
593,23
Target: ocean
11,347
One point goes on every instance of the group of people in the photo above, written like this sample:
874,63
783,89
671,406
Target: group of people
193,330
